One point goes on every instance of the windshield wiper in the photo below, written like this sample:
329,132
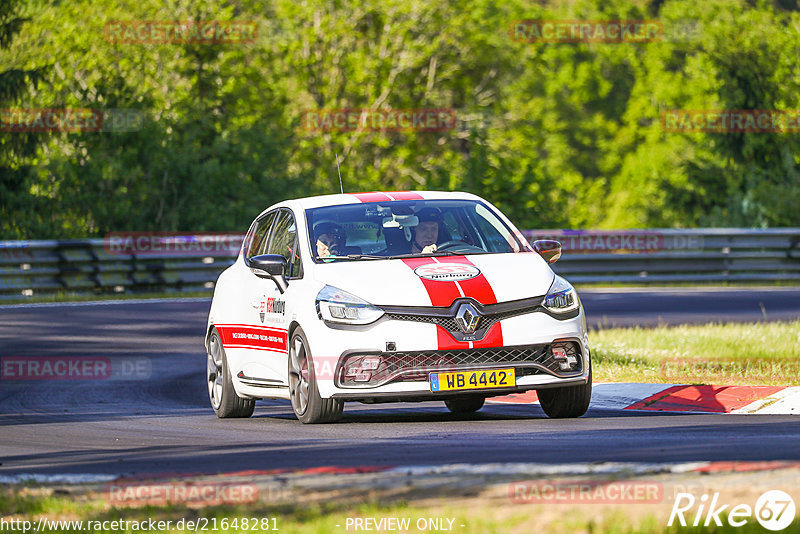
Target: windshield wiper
396,256
445,253
428,255
352,257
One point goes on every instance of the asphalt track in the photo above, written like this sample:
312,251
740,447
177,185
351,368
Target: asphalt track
162,423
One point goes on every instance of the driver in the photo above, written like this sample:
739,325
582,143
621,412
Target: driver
330,238
426,234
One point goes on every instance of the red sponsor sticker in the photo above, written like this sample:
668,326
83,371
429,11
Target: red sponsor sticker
586,491
447,272
240,336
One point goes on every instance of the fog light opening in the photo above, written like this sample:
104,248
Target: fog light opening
371,363
566,361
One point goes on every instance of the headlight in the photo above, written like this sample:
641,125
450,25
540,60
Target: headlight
338,306
562,297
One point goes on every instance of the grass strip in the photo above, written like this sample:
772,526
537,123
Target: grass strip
760,353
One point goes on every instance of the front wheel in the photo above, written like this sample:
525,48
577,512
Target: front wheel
308,406
566,402
223,397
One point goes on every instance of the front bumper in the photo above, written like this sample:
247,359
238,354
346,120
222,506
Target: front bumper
561,359
417,341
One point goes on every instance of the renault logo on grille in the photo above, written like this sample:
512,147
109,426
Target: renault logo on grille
467,318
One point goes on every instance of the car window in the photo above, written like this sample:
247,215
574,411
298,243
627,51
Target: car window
363,237
388,228
296,268
283,236
257,238
453,228
498,237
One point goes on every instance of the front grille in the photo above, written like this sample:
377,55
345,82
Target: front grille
445,317
416,366
448,323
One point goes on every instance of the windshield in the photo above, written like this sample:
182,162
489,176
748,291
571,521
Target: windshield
407,228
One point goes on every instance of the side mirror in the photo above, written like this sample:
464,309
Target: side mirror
272,266
548,249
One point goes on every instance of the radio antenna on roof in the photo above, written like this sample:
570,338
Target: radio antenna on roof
340,173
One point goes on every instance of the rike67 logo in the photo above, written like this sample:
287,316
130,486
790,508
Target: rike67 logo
774,510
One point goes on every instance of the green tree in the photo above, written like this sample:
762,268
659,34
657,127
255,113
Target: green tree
16,148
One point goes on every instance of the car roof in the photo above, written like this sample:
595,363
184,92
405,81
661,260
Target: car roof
300,204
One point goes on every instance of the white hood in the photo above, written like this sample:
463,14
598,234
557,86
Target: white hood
394,282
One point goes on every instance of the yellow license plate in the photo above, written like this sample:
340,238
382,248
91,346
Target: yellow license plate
484,379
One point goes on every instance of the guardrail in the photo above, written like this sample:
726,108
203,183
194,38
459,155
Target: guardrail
193,263
664,256
96,266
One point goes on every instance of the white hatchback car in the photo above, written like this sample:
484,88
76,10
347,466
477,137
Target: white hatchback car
397,296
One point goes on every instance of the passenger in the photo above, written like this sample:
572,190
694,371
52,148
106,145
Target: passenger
331,239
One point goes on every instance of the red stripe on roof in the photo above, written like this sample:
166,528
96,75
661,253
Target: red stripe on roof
371,197
715,399
404,195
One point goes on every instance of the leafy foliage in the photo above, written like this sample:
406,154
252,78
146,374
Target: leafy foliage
556,134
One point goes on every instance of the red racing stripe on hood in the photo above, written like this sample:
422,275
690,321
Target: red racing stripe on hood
443,293
479,287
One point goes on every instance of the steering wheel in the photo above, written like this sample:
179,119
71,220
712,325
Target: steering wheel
463,247
451,243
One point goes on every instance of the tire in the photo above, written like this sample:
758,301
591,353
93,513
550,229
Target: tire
308,406
567,402
224,400
470,404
